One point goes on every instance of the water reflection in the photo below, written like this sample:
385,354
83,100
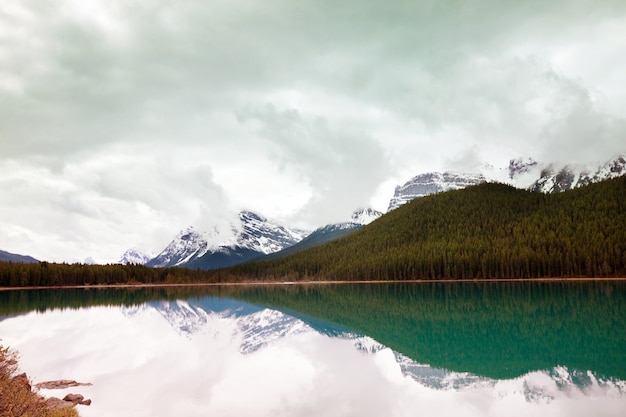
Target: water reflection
222,356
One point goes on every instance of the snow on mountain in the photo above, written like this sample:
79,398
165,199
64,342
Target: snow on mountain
134,256
262,235
554,179
365,216
252,235
187,244
432,183
523,173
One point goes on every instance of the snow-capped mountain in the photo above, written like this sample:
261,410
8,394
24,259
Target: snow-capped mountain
134,256
555,179
432,183
365,216
264,236
227,244
521,173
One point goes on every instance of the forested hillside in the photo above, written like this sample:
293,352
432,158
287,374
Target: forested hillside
486,231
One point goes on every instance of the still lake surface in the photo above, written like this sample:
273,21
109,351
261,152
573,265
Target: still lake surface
463,349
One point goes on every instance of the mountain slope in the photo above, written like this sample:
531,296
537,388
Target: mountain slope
554,180
329,233
12,257
134,256
485,231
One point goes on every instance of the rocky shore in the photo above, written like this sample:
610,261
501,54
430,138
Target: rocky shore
19,398
70,400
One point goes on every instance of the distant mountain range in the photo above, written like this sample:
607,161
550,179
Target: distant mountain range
521,173
252,238
256,237
12,257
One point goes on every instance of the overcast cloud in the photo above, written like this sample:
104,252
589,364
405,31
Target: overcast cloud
122,122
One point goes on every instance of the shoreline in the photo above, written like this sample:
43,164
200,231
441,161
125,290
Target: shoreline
313,282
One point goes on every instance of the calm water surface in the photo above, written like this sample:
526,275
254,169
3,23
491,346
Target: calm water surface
334,350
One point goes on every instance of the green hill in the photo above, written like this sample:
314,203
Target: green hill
486,231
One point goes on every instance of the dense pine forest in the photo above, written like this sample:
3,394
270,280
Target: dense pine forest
489,231
50,274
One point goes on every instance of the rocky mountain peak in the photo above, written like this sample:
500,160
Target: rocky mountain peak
554,179
365,216
251,234
521,166
134,256
432,183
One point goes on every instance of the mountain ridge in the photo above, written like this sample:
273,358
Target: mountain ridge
522,173
328,233
14,257
253,236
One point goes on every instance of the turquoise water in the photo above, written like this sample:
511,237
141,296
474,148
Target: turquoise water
367,349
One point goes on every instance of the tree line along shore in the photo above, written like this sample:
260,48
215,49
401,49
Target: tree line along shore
490,231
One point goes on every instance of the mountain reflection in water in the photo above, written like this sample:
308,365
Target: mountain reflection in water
267,351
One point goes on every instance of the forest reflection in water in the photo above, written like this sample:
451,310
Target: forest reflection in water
504,349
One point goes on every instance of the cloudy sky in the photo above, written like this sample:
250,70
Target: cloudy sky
121,122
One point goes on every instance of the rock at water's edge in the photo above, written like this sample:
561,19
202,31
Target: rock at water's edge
61,384
54,403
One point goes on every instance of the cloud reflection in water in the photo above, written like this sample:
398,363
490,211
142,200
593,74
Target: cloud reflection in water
142,365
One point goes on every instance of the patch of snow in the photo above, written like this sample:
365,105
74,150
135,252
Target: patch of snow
365,216
251,231
134,256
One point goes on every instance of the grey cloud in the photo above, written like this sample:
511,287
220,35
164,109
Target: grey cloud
579,130
343,167
92,86
167,80
101,205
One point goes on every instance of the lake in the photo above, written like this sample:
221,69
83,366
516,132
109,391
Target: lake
445,349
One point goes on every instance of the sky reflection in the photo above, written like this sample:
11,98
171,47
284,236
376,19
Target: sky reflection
141,364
